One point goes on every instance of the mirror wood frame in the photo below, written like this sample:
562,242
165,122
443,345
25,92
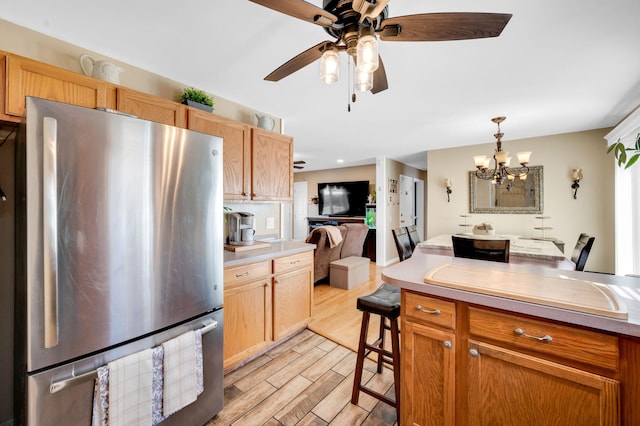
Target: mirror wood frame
535,175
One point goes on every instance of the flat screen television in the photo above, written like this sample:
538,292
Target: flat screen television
343,198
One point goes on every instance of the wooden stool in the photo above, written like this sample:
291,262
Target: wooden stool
385,301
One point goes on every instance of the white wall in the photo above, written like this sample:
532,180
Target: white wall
592,212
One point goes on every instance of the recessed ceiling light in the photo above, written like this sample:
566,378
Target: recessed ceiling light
340,160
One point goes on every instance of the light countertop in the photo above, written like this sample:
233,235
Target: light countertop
410,275
522,247
277,249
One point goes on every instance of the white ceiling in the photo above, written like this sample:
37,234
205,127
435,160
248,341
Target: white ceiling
559,66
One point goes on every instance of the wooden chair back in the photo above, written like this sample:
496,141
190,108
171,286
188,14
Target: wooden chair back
473,248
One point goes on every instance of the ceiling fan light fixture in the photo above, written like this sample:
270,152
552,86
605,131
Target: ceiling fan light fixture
329,66
367,51
364,81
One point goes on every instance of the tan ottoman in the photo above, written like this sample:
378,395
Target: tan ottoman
349,272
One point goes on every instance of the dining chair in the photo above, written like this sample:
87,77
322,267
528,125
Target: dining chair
473,248
403,243
581,251
414,237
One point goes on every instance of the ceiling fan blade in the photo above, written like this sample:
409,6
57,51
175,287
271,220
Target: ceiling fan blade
443,26
300,162
298,167
379,78
298,62
300,9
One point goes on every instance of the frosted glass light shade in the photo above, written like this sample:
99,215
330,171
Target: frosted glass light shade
523,157
501,156
329,66
367,53
577,174
364,80
479,160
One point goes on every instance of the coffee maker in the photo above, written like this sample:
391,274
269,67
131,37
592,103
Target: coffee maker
241,229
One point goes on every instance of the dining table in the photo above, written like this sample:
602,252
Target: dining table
522,250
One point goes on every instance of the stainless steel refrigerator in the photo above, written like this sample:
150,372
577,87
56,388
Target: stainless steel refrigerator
118,236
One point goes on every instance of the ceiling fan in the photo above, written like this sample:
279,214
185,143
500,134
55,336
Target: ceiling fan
299,164
356,24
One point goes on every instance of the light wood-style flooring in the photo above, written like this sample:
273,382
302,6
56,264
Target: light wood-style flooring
308,379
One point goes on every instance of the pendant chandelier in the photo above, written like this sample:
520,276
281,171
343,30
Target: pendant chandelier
501,172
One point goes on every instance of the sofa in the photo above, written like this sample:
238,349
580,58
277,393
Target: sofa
353,236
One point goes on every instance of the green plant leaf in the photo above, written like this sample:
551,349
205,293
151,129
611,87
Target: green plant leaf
638,142
632,160
611,147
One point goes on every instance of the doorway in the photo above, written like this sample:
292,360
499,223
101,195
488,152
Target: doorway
300,213
412,203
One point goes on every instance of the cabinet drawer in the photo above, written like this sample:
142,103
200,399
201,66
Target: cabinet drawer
245,273
428,310
293,262
573,344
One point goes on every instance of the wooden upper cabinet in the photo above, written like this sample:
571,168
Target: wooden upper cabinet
272,166
152,108
236,150
25,77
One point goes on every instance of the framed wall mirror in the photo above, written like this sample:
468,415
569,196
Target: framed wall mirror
526,196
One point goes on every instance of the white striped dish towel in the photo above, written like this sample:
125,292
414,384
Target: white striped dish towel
130,380
180,384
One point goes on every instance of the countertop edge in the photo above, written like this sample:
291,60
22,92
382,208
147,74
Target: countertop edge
277,249
409,275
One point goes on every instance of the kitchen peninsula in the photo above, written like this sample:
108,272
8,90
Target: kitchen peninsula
488,343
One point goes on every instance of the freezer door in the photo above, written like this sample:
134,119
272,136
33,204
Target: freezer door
54,397
124,229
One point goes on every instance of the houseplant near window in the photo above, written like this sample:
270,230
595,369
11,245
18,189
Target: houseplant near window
197,98
620,152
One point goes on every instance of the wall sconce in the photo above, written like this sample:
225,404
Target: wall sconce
577,177
447,184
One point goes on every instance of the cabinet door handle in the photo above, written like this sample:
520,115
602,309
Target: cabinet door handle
427,311
546,338
246,274
447,344
474,353
293,262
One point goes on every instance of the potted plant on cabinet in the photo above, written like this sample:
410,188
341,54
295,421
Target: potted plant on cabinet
197,98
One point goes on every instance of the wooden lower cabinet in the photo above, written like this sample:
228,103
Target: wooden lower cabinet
292,300
265,302
428,376
507,388
484,372
247,310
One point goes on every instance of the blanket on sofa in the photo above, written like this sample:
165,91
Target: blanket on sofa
333,235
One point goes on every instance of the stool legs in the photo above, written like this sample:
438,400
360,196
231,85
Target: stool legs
355,394
392,358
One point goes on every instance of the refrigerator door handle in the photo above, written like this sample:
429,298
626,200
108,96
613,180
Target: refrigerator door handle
92,374
50,228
